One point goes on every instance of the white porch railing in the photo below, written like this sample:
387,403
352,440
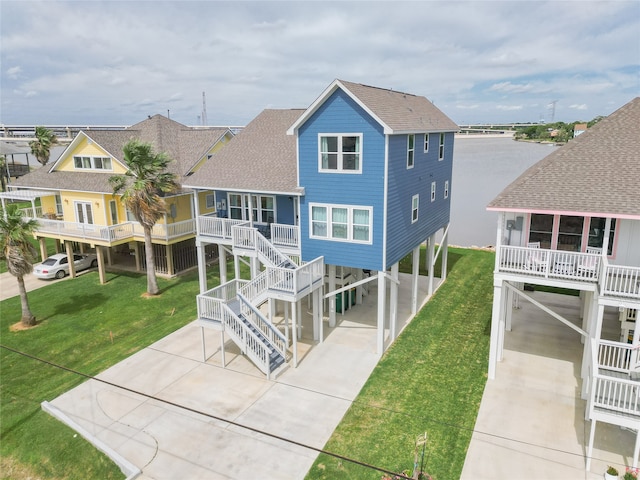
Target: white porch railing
218,228
617,357
29,212
277,339
111,233
540,262
621,281
285,235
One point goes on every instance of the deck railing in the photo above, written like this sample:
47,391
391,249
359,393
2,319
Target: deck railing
617,357
285,235
540,262
112,233
276,339
621,281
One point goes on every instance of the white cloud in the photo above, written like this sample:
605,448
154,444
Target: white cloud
14,72
509,107
582,106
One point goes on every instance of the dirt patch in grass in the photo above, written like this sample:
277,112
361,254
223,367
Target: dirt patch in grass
18,327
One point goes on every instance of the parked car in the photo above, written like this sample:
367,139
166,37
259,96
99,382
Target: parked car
57,266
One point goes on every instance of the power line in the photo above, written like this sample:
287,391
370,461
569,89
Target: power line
209,415
295,442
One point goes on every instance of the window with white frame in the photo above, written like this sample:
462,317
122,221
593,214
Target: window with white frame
340,153
415,204
426,143
113,208
441,149
263,207
210,200
59,210
433,191
348,223
446,189
92,163
410,149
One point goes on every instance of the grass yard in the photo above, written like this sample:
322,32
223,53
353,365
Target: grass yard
87,327
431,380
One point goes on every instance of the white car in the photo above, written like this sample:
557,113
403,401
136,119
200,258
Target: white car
57,266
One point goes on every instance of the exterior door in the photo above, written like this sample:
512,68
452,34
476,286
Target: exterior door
84,214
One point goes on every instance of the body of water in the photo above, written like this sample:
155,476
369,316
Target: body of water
482,168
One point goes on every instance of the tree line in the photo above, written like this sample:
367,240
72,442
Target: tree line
559,132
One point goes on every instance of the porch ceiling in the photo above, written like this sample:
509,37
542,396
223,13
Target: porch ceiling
26,194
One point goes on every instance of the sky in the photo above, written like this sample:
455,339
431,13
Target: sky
116,62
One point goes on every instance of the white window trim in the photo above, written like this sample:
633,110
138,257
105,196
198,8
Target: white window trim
93,158
433,191
446,189
411,150
206,200
441,147
415,207
339,169
257,205
350,209
426,143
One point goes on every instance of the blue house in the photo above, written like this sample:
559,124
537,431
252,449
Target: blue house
323,201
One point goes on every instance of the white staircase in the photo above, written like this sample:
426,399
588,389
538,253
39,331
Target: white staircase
234,306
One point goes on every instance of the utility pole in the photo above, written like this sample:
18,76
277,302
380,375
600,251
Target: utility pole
552,108
204,111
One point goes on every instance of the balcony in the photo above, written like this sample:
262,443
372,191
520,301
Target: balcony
220,230
615,280
119,233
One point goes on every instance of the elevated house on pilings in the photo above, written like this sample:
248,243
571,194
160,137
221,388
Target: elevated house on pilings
323,201
74,203
573,221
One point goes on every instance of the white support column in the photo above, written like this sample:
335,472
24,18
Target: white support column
359,276
393,303
317,320
431,257
236,266
222,263
294,323
415,277
426,257
499,240
590,311
255,267
502,322
321,313
285,313
495,327
298,307
508,311
271,303
202,267
332,298
444,254
382,311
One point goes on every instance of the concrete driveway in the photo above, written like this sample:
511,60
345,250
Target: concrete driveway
9,284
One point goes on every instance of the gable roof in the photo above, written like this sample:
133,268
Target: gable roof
397,112
184,145
261,158
596,174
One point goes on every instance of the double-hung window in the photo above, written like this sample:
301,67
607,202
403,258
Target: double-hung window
441,148
341,223
446,189
433,191
410,149
92,163
340,153
426,143
415,204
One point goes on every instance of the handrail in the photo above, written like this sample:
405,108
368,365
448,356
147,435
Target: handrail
621,281
285,235
617,356
268,253
275,338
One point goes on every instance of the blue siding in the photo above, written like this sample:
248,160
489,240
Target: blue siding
340,114
404,183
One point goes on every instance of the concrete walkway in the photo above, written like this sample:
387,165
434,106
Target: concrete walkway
303,404
531,421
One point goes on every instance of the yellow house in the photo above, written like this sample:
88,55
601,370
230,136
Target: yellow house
79,210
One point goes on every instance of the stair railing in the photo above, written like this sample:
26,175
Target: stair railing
276,339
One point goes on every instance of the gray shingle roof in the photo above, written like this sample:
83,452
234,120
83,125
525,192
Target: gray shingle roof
596,173
402,112
184,145
262,157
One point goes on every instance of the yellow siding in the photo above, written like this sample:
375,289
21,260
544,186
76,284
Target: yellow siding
97,201
202,203
182,207
84,148
49,206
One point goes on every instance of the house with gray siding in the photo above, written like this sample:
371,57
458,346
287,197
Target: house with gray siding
323,201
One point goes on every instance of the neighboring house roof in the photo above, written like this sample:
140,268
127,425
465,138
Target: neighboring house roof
595,174
397,112
261,158
184,145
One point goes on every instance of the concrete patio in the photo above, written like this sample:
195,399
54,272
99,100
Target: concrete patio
531,421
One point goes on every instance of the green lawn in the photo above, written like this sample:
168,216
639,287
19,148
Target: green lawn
87,327
431,380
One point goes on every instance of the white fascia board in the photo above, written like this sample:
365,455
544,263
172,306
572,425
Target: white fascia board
335,85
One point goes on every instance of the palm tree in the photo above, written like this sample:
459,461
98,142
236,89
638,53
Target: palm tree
142,187
41,146
3,173
20,254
